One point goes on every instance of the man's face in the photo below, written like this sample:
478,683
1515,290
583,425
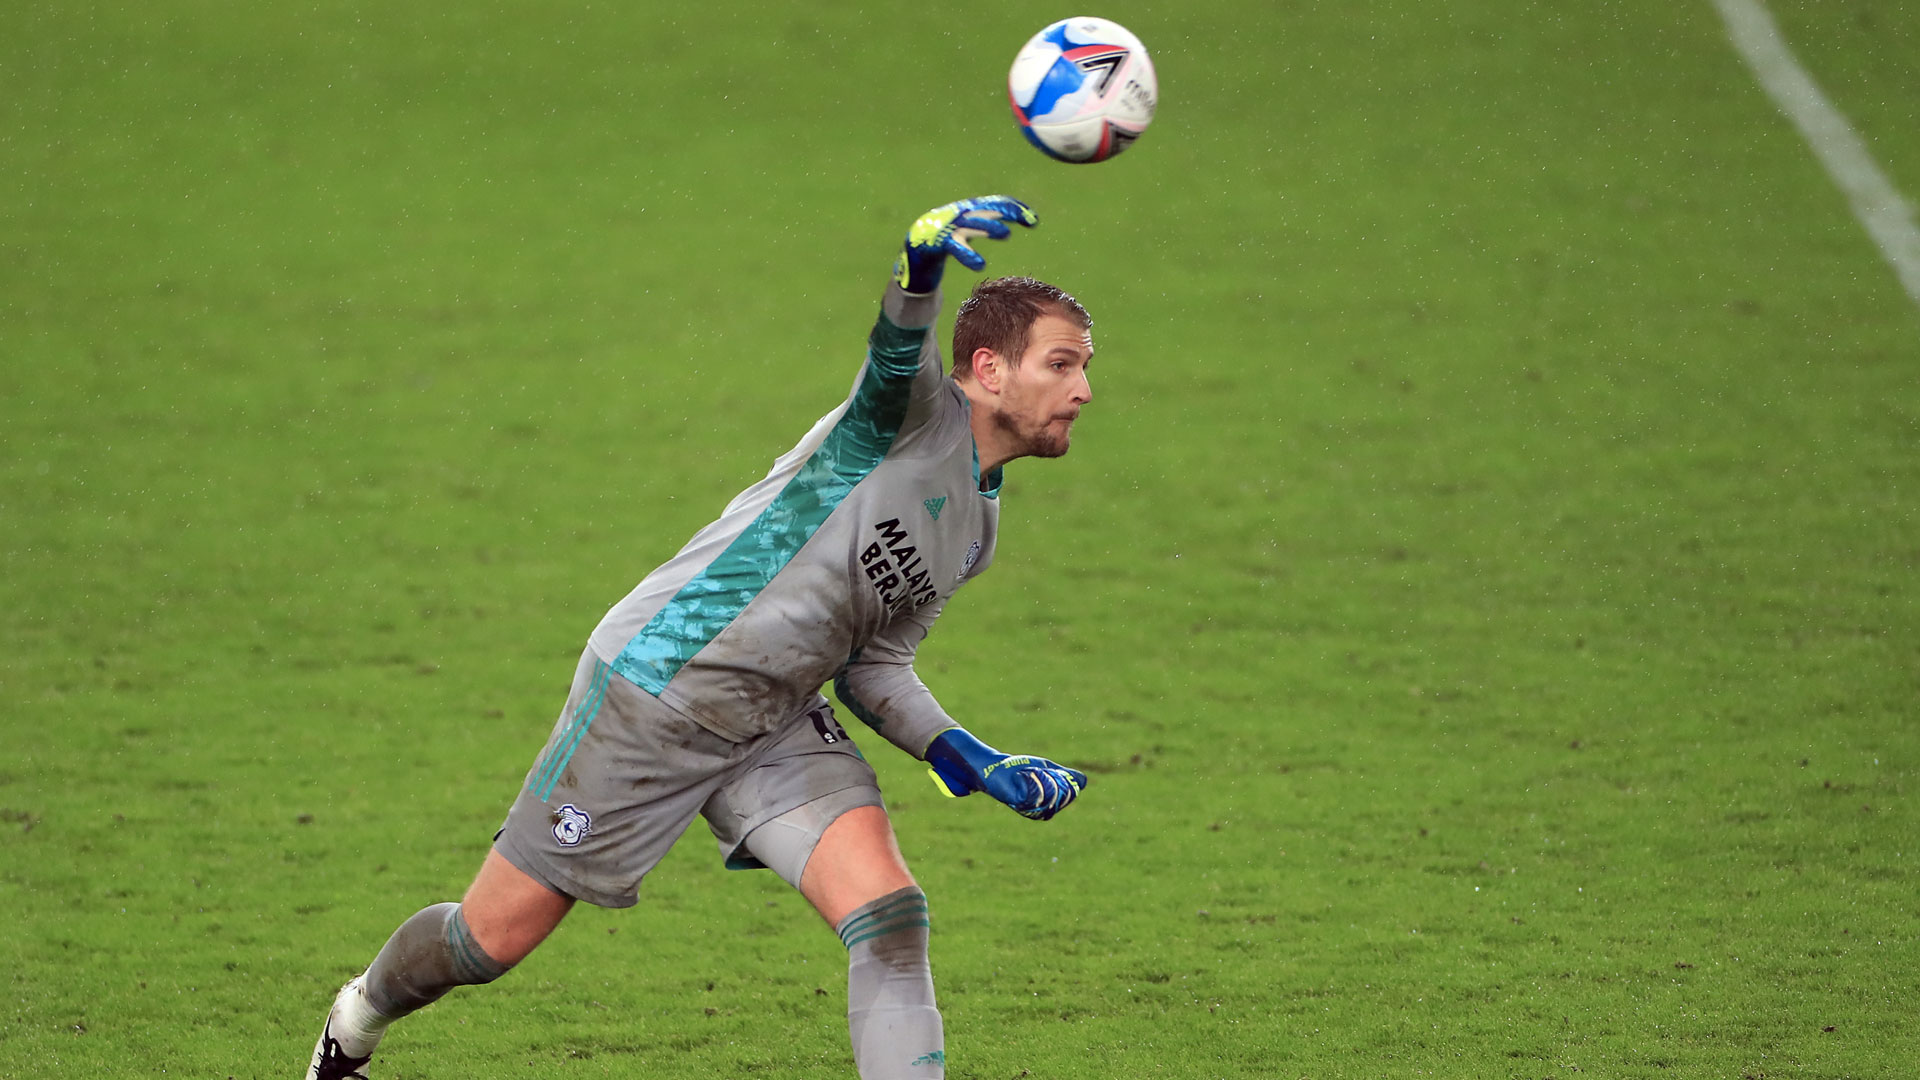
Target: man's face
1042,395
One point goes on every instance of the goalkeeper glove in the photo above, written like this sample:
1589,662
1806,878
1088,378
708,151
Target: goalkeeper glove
1034,787
945,231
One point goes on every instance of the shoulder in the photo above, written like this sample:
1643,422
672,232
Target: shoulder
937,421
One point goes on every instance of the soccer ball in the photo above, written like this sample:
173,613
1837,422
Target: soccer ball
1083,89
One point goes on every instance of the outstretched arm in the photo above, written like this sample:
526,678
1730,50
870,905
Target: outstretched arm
902,345
879,684
879,687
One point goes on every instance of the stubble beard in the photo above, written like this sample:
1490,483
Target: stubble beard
1039,440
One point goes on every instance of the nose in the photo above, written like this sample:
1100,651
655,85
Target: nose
1083,393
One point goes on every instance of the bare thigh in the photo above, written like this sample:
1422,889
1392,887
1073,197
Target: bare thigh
855,863
509,912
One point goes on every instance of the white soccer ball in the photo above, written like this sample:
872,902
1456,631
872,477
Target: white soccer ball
1083,89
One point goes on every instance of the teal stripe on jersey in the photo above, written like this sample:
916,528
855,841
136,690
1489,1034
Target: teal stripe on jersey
547,773
895,350
991,489
844,691
715,596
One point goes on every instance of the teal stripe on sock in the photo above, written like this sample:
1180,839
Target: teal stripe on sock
885,916
915,901
889,928
903,898
862,926
908,910
548,772
471,963
860,922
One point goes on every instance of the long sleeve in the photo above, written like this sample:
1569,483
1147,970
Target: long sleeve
880,686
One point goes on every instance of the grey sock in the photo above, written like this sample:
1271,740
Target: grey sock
890,1010
430,954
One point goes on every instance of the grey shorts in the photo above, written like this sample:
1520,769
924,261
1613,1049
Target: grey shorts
623,775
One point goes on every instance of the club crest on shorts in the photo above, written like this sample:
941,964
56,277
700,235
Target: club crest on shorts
571,825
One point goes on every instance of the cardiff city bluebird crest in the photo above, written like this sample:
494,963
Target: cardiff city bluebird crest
973,556
571,825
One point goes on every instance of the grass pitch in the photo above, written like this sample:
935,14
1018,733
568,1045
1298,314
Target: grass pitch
1483,586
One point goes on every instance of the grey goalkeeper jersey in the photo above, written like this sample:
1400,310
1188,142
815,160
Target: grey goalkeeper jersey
833,567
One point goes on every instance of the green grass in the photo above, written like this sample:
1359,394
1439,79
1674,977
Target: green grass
1483,586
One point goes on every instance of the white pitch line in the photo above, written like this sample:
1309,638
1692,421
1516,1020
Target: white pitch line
1887,217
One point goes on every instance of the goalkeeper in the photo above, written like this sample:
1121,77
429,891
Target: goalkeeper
699,693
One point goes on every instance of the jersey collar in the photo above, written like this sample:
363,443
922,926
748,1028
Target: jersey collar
991,489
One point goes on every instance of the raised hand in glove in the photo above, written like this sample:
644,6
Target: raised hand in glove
946,230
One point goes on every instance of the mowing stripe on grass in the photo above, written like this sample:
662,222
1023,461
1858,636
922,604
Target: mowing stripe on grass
1887,217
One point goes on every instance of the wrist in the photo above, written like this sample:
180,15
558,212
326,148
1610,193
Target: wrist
910,311
960,760
957,744
919,272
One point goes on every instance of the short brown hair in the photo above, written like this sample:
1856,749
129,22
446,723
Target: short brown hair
1000,313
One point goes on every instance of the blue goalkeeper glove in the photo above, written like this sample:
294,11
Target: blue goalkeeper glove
945,231
1034,787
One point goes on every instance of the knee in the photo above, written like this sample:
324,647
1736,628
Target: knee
507,914
473,964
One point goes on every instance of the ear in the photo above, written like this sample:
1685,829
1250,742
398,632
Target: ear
989,370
